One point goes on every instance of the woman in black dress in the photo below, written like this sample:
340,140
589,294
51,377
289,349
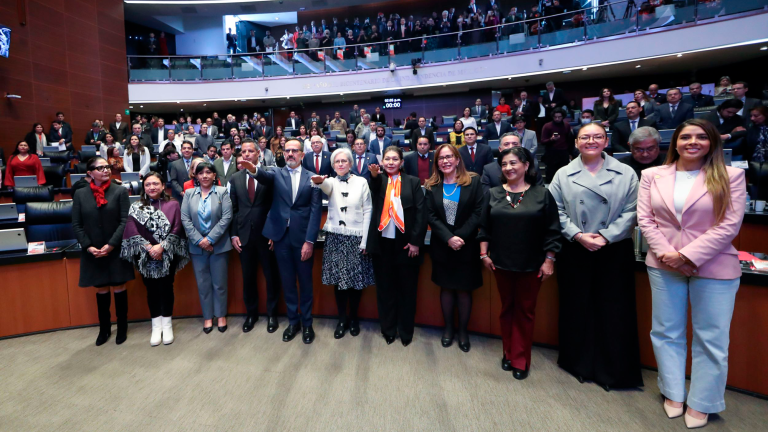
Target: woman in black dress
519,236
606,108
99,215
396,234
454,200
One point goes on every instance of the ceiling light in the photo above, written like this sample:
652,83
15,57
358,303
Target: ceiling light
205,104
584,68
178,102
638,67
764,48
182,109
288,97
679,55
130,107
566,72
277,18
141,106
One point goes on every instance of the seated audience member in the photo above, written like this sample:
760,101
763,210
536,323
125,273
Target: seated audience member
674,112
422,131
23,163
224,166
191,136
303,134
136,157
739,90
644,148
419,163
109,142
728,123
36,139
211,154
456,137
503,108
174,140
497,127
279,134
492,172
655,96
696,98
755,146
61,137
527,137
606,108
467,120
115,161
361,159
318,161
723,87
338,123
622,129
559,143
95,136
587,117
139,132
378,143
649,106
475,156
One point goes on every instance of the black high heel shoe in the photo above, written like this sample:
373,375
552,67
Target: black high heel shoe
447,341
506,365
389,339
207,330
464,346
519,374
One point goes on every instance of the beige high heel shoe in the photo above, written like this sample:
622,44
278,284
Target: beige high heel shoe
694,423
672,412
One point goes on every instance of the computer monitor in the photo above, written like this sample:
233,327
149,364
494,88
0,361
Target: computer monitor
8,211
127,177
25,181
74,178
156,148
88,148
728,156
50,148
45,162
134,198
12,240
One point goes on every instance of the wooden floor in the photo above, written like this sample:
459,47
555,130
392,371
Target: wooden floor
234,381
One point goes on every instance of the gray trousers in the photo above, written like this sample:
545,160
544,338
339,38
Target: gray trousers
211,276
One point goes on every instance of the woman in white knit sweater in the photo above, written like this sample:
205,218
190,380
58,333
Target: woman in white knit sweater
346,265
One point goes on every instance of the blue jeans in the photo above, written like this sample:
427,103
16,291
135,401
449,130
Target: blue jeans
712,303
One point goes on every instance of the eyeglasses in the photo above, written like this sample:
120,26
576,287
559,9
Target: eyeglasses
597,138
648,150
102,168
445,158
291,151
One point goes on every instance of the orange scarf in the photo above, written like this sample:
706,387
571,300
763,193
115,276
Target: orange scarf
393,208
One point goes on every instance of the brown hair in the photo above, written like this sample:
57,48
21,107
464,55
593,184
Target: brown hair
716,176
463,177
611,99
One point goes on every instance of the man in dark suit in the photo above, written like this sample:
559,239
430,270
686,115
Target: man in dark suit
529,109
378,117
674,112
152,45
697,99
143,137
728,123
411,122
361,159
419,163
293,122
231,42
553,98
492,171
230,123
656,97
475,156
623,128
292,225
318,161
158,134
251,202
378,143
478,110
95,136
739,90
226,165
119,129
262,130
354,116
472,9
497,127
180,171
422,131
60,136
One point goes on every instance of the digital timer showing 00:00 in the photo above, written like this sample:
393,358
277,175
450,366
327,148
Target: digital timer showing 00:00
393,103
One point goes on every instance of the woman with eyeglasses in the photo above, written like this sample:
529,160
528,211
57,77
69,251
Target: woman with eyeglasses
596,198
454,198
99,216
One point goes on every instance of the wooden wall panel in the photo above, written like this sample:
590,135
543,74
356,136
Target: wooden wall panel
58,62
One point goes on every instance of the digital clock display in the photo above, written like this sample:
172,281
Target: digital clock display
392,103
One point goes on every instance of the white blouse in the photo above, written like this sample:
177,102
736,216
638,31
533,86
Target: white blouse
144,161
469,122
357,202
683,184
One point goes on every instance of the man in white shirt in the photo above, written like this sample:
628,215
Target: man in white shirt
293,122
379,143
363,129
739,90
119,129
157,135
173,139
225,166
479,109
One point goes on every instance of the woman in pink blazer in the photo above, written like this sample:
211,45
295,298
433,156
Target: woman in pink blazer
690,209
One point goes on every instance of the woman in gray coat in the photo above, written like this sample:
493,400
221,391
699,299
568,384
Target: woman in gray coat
596,197
206,213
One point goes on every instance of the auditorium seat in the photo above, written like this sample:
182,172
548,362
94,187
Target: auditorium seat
24,195
58,156
49,221
449,119
56,175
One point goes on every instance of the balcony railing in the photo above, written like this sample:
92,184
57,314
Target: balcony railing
615,19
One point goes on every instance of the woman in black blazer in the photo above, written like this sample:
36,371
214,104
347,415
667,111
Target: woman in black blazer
396,234
99,215
454,200
606,108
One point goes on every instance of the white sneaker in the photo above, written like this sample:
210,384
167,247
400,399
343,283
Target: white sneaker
167,330
157,330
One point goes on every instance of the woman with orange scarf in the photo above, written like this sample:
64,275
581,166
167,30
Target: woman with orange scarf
396,234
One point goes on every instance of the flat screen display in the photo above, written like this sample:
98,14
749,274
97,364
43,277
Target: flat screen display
5,41
390,103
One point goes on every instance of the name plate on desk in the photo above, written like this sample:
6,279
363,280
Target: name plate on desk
740,164
35,248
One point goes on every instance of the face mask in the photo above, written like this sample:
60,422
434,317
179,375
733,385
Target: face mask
585,121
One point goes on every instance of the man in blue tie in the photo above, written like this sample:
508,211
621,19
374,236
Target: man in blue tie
180,171
622,129
292,226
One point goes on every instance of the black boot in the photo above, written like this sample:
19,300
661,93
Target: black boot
105,324
121,310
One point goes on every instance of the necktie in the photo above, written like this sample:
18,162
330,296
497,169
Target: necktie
634,125
187,164
673,110
359,164
472,153
317,164
251,189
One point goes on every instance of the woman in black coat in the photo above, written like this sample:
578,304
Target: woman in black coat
606,108
396,234
99,215
454,200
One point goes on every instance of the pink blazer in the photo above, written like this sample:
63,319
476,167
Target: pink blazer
698,237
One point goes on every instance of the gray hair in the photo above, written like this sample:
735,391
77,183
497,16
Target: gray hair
342,151
367,116
644,133
550,83
513,133
95,124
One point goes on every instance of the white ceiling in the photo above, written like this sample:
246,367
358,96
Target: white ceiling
271,19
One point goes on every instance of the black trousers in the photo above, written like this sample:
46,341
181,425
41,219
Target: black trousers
598,314
256,252
396,284
555,159
160,293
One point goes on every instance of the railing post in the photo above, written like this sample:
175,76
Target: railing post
458,45
637,21
423,48
696,11
293,64
538,35
498,33
231,65
325,65
170,76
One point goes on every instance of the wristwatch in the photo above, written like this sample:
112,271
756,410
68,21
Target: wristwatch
482,256
550,258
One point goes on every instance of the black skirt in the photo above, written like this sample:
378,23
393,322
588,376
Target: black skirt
598,314
110,270
458,275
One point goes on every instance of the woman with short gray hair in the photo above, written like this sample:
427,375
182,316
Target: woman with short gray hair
346,265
